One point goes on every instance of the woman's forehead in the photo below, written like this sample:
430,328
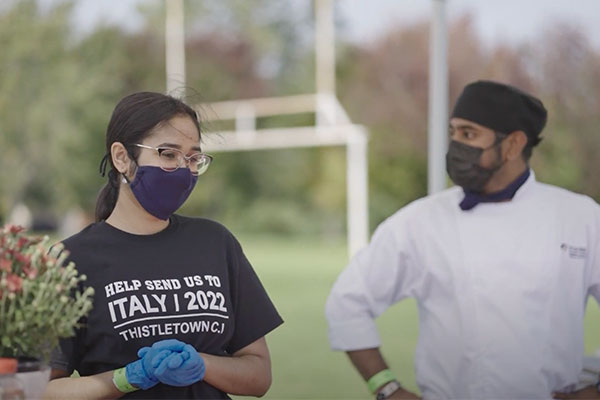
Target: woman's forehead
180,130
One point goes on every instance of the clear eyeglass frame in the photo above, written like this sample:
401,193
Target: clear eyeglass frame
171,159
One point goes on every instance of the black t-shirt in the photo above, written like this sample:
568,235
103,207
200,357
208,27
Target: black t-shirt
190,282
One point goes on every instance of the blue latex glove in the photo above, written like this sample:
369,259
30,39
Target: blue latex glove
141,373
137,376
181,369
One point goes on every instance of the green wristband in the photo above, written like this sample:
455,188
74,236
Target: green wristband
121,382
380,379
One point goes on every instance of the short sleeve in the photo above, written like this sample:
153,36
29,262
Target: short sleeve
65,356
378,276
254,312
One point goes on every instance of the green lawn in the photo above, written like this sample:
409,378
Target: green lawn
298,274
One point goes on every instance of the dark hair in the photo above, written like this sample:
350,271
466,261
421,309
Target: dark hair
131,122
528,149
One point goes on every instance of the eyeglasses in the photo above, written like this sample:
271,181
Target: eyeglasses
173,159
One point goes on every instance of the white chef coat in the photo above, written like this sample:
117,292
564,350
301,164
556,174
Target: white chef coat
501,290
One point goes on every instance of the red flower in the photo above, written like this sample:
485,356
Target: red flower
23,259
14,229
14,282
21,242
5,265
31,273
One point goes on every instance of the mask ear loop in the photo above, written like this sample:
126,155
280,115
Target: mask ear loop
112,174
124,178
500,136
103,164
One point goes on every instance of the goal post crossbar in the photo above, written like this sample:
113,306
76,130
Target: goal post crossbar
333,128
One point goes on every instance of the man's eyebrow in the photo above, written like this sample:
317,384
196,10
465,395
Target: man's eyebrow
464,126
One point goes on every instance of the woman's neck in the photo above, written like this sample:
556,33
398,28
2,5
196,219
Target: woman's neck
129,216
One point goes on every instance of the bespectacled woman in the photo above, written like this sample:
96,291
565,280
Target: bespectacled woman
178,311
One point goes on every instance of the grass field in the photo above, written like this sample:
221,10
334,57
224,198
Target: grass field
298,274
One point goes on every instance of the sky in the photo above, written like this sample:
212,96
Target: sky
497,21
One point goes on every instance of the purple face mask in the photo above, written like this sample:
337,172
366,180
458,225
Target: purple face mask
160,192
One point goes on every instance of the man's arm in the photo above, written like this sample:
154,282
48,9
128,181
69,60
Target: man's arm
378,276
588,393
368,362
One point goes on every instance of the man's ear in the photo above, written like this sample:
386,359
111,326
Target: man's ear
120,157
516,142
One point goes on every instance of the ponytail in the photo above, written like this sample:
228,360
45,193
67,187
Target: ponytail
107,199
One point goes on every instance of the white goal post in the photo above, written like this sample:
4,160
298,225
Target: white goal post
334,129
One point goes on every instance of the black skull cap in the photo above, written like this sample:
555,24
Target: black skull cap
502,108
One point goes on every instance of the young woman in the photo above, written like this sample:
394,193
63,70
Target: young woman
178,310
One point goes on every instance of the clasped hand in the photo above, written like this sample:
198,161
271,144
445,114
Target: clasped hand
169,361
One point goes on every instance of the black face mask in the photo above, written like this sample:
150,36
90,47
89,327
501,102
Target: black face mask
463,165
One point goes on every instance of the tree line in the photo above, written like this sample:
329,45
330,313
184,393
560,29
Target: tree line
58,88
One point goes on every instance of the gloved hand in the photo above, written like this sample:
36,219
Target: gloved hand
181,369
141,373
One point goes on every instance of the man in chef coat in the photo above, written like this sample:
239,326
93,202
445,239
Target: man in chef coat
500,265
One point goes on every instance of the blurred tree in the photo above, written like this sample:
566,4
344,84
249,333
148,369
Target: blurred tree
567,74
33,78
279,34
384,85
57,91
56,95
243,49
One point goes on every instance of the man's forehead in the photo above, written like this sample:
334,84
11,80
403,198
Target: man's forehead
460,123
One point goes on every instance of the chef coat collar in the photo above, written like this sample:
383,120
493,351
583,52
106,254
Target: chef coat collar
471,199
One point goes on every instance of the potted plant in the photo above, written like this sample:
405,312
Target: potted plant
41,300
